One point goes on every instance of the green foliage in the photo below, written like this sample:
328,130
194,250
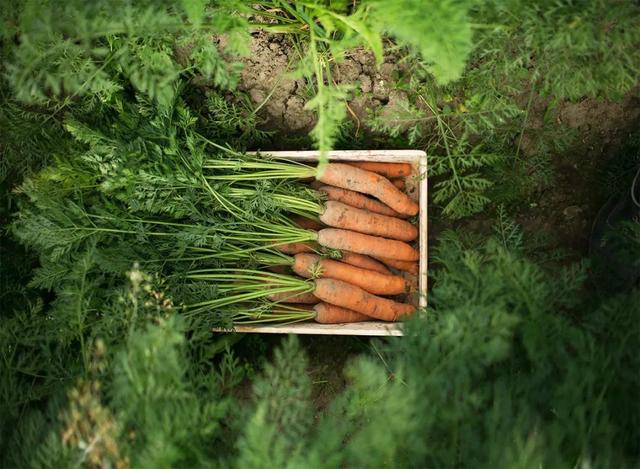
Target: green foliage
501,363
96,49
108,111
460,187
439,30
232,122
507,232
624,240
328,33
275,433
26,139
144,400
523,50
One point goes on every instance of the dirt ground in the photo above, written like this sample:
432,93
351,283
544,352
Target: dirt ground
601,129
269,79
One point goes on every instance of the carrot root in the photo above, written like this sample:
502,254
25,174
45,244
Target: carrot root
357,200
367,182
332,314
311,265
388,170
345,217
360,243
411,267
399,183
364,262
339,293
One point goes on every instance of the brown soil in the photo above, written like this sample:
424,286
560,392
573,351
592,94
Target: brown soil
270,81
566,210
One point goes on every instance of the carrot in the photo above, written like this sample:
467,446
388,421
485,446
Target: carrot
375,246
343,216
357,200
311,265
364,262
331,314
349,296
286,297
359,180
308,223
399,183
389,170
295,248
411,267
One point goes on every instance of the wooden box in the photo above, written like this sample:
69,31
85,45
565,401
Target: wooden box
416,188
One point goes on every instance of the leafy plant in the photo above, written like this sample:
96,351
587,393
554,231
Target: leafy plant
84,50
109,111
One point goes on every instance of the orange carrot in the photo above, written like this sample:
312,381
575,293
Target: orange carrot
308,223
311,265
339,293
364,262
375,246
295,248
411,267
389,170
331,314
286,297
399,183
367,182
343,216
357,200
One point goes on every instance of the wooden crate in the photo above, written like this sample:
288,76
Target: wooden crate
419,192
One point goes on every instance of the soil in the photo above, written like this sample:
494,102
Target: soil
270,81
566,211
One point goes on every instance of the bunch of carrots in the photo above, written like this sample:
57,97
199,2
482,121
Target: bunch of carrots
351,258
335,250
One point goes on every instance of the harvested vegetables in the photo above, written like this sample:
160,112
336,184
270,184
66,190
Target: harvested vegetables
355,199
411,267
370,233
365,262
343,216
366,244
388,170
331,314
339,293
333,174
312,266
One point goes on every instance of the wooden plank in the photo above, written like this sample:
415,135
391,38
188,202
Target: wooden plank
388,156
371,328
418,159
424,232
